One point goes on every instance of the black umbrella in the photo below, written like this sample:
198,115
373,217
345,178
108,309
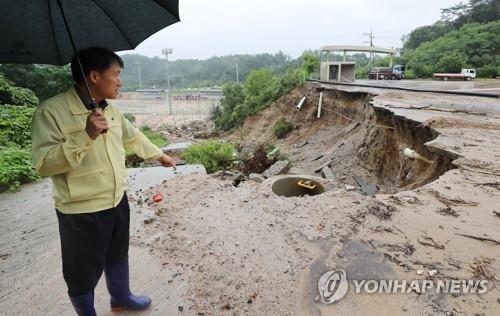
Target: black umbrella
51,31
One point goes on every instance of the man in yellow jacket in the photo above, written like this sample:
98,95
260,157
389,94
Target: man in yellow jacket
83,151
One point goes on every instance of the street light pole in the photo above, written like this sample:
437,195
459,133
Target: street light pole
166,52
139,71
237,73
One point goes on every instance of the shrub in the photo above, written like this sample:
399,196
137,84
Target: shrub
16,95
211,154
282,128
451,63
156,138
489,71
260,89
15,125
410,74
16,167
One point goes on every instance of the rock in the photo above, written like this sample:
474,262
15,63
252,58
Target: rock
237,178
296,170
279,167
257,177
368,189
301,145
350,187
420,272
176,147
323,165
327,173
317,158
432,272
148,220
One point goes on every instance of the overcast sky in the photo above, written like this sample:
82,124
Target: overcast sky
222,27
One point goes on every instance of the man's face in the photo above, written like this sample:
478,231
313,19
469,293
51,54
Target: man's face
107,83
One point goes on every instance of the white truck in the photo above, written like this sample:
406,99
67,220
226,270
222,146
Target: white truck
466,74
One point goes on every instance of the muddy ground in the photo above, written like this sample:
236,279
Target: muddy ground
212,248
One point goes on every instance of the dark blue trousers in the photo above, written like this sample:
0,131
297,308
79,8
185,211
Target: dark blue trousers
91,240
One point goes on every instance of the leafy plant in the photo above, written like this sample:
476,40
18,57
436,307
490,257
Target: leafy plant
44,80
260,89
15,125
16,95
16,167
211,154
310,63
474,45
488,71
156,138
282,128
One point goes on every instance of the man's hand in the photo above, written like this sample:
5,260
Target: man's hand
167,161
96,123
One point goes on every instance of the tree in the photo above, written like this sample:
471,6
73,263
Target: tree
233,95
44,80
15,135
475,45
310,63
451,63
16,95
424,34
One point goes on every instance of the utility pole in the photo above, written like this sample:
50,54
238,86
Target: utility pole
139,71
166,52
371,37
237,73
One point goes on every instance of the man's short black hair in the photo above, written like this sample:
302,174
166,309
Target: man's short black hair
93,58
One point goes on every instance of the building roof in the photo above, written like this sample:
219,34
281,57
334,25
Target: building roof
353,48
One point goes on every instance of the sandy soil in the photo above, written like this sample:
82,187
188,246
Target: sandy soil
155,113
210,248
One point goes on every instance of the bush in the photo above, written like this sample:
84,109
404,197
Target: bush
15,125
282,128
489,71
211,154
473,45
260,89
16,167
410,74
310,63
156,138
16,95
451,63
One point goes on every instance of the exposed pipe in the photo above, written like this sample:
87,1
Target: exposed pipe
319,104
301,103
410,153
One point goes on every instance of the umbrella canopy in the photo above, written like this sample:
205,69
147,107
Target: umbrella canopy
36,31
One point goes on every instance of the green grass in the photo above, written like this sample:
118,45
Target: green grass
154,137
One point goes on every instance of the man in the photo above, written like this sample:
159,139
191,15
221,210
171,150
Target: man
83,152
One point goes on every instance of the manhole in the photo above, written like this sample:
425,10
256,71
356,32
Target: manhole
297,186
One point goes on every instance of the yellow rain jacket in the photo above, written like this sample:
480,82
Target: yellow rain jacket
88,175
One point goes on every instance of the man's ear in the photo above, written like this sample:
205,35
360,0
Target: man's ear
93,76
